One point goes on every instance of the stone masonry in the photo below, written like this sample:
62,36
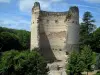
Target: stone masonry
56,34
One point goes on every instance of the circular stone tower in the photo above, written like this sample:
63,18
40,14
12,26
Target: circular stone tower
56,34
72,37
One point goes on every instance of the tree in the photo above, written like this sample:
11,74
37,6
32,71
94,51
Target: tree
75,64
22,63
86,28
81,61
23,35
9,41
98,61
24,38
95,40
88,58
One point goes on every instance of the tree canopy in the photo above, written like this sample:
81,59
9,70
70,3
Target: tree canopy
81,61
75,64
86,28
14,39
9,41
22,63
95,40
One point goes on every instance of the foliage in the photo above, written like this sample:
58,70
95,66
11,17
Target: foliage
90,36
22,63
9,41
75,65
98,73
81,61
88,58
95,40
3,29
86,28
88,23
22,35
24,38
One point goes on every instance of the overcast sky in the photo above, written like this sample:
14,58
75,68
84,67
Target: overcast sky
17,13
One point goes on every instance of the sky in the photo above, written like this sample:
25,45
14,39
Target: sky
17,13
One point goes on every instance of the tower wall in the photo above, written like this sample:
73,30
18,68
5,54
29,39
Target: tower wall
35,26
72,39
55,33
52,34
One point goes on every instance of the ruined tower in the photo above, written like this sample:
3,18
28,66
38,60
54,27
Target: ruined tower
56,34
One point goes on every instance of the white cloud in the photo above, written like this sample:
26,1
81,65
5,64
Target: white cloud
93,1
5,1
26,5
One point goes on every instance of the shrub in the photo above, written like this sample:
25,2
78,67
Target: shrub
98,73
22,63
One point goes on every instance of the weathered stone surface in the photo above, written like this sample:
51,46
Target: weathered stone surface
55,33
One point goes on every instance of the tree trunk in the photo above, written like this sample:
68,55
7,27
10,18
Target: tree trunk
87,72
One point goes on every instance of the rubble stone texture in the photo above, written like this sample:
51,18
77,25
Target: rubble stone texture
56,34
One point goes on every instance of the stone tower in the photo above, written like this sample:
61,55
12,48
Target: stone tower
56,34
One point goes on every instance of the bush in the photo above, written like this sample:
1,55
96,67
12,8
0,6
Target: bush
98,73
22,63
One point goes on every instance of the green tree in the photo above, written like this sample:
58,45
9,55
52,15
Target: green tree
81,61
86,28
9,41
75,64
95,40
98,73
88,58
24,38
23,35
22,63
